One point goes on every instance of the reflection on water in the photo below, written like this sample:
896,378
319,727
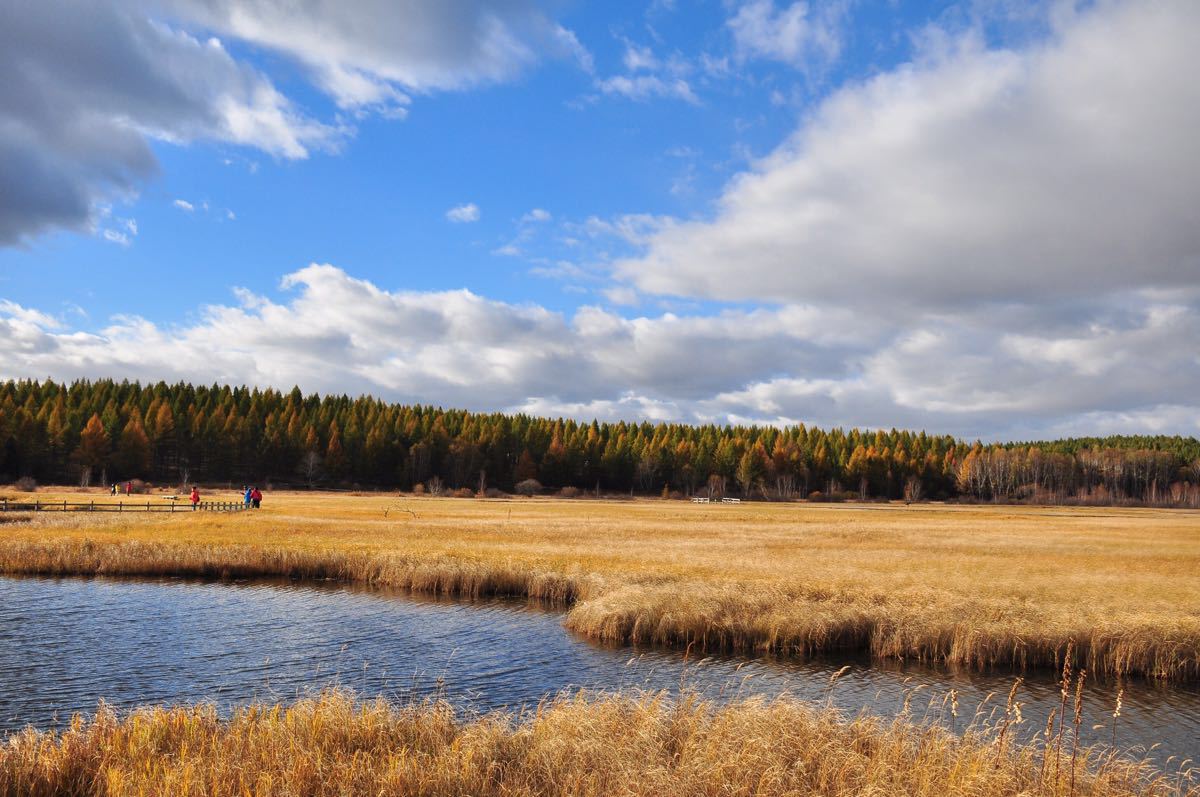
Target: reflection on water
64,644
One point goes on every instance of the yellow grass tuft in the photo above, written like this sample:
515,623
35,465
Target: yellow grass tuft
574,745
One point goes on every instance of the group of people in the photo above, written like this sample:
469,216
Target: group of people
252,497
128,489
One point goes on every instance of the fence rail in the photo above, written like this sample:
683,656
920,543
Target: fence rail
121,506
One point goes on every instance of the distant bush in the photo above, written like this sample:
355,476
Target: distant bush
463,492
140,487
418,489
494,492
26,484
568,492
529,487
676,495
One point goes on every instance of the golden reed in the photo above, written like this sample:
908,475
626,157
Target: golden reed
574,745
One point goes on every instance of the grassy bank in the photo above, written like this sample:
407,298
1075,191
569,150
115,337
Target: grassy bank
972,586
642,745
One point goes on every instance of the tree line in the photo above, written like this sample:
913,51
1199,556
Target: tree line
105,431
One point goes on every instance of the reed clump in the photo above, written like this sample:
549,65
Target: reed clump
1112,590
578,744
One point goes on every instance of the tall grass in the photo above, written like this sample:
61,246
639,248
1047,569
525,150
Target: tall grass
1111,591
573,745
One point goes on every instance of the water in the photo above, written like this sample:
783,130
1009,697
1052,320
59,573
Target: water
66,643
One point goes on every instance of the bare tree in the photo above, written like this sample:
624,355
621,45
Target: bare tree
785,486
310,467
645,471
435,486
913,489
716,486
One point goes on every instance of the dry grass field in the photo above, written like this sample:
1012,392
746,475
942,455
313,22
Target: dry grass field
633,745
971,586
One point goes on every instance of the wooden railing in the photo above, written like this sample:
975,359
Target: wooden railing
37,505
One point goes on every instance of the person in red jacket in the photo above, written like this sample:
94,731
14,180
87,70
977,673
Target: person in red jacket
128,488
256,498
195,497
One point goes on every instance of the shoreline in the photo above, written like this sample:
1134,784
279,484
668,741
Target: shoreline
600,611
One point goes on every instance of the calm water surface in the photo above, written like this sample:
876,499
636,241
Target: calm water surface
66,643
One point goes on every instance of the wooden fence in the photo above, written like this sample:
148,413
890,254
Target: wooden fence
121,506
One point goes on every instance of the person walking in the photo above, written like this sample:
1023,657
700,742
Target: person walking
246,497
113,491
195,497
256,497
128,488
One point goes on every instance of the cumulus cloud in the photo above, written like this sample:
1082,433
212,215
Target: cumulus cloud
375,52
792,363
87,86
463,214
971,176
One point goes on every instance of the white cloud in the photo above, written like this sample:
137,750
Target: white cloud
463,214
638,58
376,52
645,87
972,176
536,215
88,86
184,205
794,363
648,76
798,34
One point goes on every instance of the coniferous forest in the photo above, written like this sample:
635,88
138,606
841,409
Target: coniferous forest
97,432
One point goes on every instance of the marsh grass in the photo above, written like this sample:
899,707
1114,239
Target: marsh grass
581,744
1112,591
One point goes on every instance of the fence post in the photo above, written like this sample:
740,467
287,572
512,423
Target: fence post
64,506
93,506
37,505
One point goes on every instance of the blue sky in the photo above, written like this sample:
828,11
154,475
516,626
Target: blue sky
857,213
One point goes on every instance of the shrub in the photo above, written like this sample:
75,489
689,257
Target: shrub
26,484
463,492
140,487
568,492
418,489
494,492
529,487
